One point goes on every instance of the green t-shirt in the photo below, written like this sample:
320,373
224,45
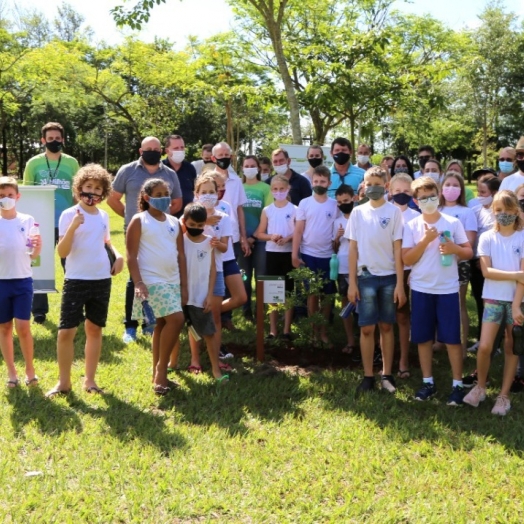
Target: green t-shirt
38,173
258,197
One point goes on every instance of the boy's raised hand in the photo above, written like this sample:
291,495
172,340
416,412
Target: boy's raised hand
340,233
78,219
430,233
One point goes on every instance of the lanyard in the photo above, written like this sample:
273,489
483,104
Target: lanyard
52,177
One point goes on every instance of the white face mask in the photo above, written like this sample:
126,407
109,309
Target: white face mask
264,177
250,172
485,201
7,203
363,159
208,200
281,170
429,207
178,156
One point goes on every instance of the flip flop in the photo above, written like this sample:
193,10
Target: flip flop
225,367
161,391
403,373
194,370
224,379
31,382
94,389
57,392
11,384
347,349
171,370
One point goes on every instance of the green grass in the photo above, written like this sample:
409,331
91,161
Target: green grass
278,444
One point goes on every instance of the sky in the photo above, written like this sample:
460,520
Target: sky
179,19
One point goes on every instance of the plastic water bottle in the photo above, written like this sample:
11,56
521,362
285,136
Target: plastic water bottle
347,310
243,275
333,267
149,315
33,232
445,260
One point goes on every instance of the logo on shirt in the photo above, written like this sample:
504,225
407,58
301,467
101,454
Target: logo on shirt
516,250
201,254
22,229
384,222
329,214
288,216
171,230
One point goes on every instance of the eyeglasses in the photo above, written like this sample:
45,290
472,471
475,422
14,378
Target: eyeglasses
505,159
428,199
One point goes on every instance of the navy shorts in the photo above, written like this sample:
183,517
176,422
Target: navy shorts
376,299
220,287
16,297
320,266
430,313
231,268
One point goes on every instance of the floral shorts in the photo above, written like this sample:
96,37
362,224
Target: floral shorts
164,298
497,311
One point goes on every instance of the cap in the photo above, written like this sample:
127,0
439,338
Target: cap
520,145
483,171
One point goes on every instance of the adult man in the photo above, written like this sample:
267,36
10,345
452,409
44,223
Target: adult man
342,172
363,157
506,162
425,153
299,186
206,159
175,149
128,182
315,157
54,168
511,182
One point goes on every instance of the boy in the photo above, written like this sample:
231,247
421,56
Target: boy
344,196
376,274
434,286
314,219
16,283
83,234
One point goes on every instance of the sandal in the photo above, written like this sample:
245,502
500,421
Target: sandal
224,379
94,389
225,367
57,392
194,370
403,373
31,382
161,391
171,370
347,349
11,384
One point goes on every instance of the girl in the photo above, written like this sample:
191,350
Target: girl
315,158
157,264
433,170
453,203
501,252
276,227
455,166
258,196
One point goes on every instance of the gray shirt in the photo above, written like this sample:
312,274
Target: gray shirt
130,179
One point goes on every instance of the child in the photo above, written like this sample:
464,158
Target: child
344,196
276,228
157,265
501,252
435,303
315,217
376,274
83,232
400,191
453,203
16,283
201,276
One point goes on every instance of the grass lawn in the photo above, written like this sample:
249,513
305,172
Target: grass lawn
277,444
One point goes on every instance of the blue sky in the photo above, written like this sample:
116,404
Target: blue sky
179,19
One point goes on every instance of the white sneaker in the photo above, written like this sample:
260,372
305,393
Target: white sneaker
388,383
502,406
474,348
475,396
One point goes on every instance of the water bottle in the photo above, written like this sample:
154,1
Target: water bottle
333,267
243,275
149,315
445,260
347,310
33,232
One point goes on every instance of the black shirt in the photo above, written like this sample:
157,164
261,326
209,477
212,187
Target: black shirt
299,189
186,175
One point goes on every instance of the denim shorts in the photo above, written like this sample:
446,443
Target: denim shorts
497,311
220,287
376,299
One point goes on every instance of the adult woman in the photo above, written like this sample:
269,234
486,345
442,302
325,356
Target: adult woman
401,164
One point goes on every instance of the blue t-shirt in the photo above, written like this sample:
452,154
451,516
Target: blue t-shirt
353,177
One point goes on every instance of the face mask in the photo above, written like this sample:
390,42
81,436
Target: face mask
319,190
422,162
314,162
346,208
520,165
221,193
178,156
91,199
505,167
209,201
223,163
505,219
151,158
53,147
7,203
401,199
206,161
250,172
281,170
160,203
401,170
194,231
451,193
264,177
434,176
521,204
363,159
341,158
280,195
375,192
429,207
485,201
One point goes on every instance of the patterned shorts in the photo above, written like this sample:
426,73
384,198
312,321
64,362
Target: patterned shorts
497,311
164,298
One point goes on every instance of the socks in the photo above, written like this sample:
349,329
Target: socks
427,380
457,383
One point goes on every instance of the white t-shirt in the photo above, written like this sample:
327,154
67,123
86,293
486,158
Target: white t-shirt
198,260
511,182
485,222
280,221
319,218
223,207
375,230
506,254
157,251
343,248
409,214
14,262
88,258
235,196
466,216
474,202
219,230
428,275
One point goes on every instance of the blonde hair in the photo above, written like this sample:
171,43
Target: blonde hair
8,181
205,179
400,177
377,171
423,182
509,201
279,178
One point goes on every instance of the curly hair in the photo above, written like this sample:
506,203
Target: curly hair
92,172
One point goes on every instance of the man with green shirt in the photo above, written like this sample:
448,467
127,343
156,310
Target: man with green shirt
52,167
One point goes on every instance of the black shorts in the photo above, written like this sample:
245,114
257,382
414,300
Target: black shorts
464,271
202,322
93,295
279,264
343,285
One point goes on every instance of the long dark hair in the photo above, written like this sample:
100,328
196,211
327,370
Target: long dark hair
408,164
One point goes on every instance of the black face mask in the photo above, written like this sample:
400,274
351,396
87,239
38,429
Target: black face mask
53,147
520,164
208,161
341,158
319,190
151,158
90,199
223,163
422,161
401,199
314,162
194,231
346,208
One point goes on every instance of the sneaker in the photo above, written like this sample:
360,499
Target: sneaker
39,318
518,385
377,355
367,384
502,406
223,354
474,348
475,396
129,336
388,383
457,396
426,391
471,380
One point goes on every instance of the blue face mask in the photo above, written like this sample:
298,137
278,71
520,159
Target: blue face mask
160,203
506,167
